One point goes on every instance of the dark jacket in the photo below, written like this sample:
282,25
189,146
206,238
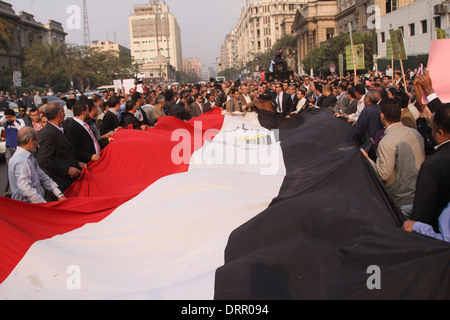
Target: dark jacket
129,119
55,156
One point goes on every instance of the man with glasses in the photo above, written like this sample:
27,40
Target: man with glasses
27,180
23,114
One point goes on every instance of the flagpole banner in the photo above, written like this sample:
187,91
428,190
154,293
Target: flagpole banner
359,57
225,208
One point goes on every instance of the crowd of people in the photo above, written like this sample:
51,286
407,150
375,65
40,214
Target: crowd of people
404,139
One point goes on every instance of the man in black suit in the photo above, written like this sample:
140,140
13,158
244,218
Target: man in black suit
84,143
111,119
283,101
433,181
55,155
330,99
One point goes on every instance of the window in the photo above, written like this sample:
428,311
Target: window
437,22
424,26
412,30
391,5
383,37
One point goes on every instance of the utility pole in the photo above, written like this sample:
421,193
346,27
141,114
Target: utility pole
87,35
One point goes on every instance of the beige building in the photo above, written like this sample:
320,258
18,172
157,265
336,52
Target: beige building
192,66
111,46
314,24
154,31
260,26
228,52
160,70
25,31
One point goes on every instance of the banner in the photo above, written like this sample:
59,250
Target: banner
398,45
359,57
17,78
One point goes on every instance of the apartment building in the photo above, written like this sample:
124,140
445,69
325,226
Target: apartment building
154,32
259,27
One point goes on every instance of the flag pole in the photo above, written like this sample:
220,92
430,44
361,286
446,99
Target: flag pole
403,70
353,52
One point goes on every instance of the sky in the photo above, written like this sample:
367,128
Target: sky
203,23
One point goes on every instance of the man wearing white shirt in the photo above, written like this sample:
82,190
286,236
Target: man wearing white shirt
360,92
389,71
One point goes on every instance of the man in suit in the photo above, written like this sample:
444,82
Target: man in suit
84,143
369,123
55,155
111,119
343,101
245,97
283,101
209,104
196,106
433,182
329,99
233,104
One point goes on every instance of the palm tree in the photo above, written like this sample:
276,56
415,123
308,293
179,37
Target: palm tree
44,59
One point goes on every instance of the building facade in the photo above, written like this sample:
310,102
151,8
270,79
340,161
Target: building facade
260,26
319,20
25,31
107,45
418,21
154,31
314,23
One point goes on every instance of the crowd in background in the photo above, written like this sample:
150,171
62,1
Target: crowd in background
404,138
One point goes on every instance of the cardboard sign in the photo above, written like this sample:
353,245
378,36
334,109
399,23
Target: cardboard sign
359,57
398,45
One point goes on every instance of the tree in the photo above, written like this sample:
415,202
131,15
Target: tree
228,73
329,51
263,59
43,62
5,34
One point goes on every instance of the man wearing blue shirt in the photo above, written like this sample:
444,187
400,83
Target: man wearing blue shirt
27,180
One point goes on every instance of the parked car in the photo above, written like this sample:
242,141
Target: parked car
52,99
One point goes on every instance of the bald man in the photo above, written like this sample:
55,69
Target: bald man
26,179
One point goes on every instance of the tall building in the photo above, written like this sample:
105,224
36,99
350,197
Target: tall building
155,32
193,67
25,31
260,26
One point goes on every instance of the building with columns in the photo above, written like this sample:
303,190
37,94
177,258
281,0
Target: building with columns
25,31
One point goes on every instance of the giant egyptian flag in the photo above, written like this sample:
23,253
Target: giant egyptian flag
221,208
